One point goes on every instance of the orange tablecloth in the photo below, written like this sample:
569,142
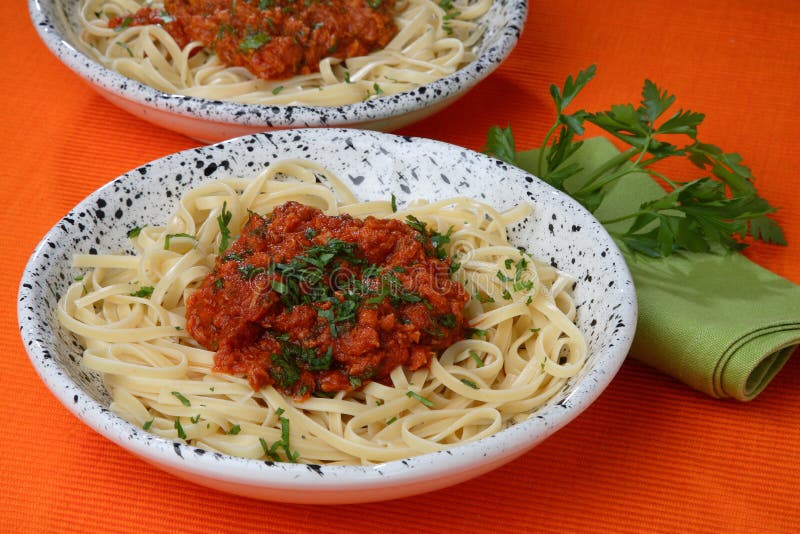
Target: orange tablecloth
649,455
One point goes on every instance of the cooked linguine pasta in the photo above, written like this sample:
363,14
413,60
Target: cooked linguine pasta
434,39
128,311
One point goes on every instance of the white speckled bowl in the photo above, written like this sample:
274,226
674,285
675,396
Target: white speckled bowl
213,120
374,165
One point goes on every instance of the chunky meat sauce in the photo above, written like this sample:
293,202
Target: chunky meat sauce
274,39
315,304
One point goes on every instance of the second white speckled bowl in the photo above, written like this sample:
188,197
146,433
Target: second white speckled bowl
214,120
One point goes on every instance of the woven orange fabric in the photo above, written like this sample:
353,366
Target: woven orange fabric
649,455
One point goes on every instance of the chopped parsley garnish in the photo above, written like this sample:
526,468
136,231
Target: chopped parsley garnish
474,332
448,17
126,22
448,320
272,450
309,357
235,429
439,240
224,219
233,256
394,204
417,225
179,428
478,360
520,284
195,419
181,398
284,370
254,41
483,298
134,232
469,383
392,288
434,239
277,90
454,265
517,282
169,237
392,420
148,424
420,398
126,47
223,29
144,292
249,271
289,362
278,286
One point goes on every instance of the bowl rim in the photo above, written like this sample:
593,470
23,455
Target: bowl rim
280,116
498,448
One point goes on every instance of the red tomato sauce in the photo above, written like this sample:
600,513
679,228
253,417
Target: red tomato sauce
274,39
314,304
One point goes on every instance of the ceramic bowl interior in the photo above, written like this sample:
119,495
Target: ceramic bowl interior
213,120
374,165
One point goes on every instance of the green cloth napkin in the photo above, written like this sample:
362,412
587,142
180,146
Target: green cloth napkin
718,322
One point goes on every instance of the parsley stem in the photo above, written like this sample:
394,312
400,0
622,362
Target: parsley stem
623,217
607,180
672,184
540,163
612,163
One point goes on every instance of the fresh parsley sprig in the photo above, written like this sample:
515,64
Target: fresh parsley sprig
721,209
